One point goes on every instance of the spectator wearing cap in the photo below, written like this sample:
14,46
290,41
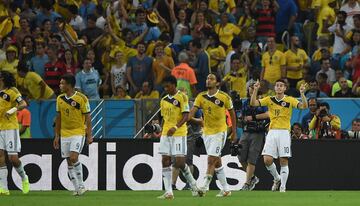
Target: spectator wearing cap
202,64
11,62
153,32
30,84
91,32
185,75
54,69
314,90
305,121
88,80
325,66
345,90
273,63
86,8
139,69
37,63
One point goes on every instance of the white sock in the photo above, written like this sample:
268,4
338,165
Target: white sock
72,176
79,174
20,170
273,171
207,181
188,176
284,173
220,173
3,177
167,177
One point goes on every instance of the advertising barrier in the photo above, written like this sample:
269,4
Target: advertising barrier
136,165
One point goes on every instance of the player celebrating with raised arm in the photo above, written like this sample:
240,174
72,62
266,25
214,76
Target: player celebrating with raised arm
214,104
73,124
10,102
278,140
175,111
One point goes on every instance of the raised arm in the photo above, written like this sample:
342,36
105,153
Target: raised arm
254,101
303,104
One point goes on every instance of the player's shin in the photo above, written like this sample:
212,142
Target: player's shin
167,177
3,178
220,173
284,173
79,174
20,170
273,171
72,176
188,176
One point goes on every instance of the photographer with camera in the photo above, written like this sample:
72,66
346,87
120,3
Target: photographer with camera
324,124
254,121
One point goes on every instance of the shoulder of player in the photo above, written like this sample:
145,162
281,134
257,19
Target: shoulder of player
224,94
181,95
201,94
82,96
60,97
14,90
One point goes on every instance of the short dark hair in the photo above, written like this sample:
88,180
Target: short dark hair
8,79
170,79
218,78
235,57
69,79
313,98
296,124
356,120
196,43
281,80
324,104
92,17
56,36
236,42
312,80
139,11
342,13
323,59
323,75
356,16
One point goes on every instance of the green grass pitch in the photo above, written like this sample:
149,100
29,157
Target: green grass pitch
183,198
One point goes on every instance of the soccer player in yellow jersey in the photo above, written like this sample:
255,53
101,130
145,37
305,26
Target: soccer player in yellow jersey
72,125
175,111
214,104
277,141
10,102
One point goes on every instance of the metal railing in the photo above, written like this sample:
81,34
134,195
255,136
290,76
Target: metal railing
97,118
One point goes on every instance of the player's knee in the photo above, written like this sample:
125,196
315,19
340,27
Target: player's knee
14,160
166,162
284,161
268,161
212,161
73,159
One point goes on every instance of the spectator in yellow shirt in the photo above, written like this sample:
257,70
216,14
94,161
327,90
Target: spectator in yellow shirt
216,52
147,92
296,60
325,18
226,30
161,66
219,6
32,85
237,77
273,63
11,62
120,93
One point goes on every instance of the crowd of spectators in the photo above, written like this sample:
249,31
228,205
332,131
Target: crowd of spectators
123,49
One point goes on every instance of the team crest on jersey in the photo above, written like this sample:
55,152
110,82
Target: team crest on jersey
217,102
283,104
5,96
73,103
175,102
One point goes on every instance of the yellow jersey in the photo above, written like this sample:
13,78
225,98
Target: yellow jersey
214,109
30,85
217,4
9,98
279,110
237,81
295,60
72,110
9,66
172,109
218,52
227,33
272,65
326,13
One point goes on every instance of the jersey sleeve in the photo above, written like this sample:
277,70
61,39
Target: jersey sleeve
228,103
57,104
282,59
16,96
85,107
197,102
294,102
184,104
264,101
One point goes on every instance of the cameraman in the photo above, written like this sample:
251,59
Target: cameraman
254,121
324,124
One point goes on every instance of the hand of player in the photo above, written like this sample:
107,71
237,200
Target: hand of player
302,88
257,85
171,131
56,142
89,139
